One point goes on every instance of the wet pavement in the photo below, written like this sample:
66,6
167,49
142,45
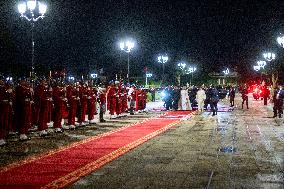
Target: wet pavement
237,149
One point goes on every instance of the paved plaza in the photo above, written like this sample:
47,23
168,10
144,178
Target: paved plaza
235,149
238,149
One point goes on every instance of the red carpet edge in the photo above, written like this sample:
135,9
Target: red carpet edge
87,169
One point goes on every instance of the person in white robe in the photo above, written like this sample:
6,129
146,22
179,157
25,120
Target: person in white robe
200,97
185,103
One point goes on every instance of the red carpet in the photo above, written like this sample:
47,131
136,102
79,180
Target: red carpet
64,166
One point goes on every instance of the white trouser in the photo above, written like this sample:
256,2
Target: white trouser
200,105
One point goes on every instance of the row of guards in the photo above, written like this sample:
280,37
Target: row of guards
63,106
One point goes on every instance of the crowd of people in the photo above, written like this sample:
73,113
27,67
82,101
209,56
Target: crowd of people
38,106
199,98
25,106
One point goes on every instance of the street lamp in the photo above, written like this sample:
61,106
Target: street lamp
94,76
32,11
181,68
190,70
127,46
280,41
181,65
148,75
226,72
269,56
261,64
9,79
256,68
71,79
163,59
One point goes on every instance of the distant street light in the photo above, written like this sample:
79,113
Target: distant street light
181,65
147,75
226,72
190,70
256,68
94,76
9,79
127,46
269,56
32,11
71,79
280,41
261,64
163,59
181,70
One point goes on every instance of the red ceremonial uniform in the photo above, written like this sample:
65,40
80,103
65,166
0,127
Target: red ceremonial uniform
92,101
123,99
6,110
82,107
44,100
138,99
111,99
23,109
73,99
144,99
59,102
118,100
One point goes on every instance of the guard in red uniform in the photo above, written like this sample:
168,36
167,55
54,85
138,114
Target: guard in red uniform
92,103
111,99
138,100
59,101
144,99
43,99
5,111
73,100
23,109
82,107
123,99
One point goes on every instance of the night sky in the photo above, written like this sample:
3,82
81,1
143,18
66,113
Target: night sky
83,36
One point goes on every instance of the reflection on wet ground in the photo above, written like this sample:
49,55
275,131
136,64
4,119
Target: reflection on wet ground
235,149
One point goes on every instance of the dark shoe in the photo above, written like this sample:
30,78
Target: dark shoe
102,121
280,116
274,116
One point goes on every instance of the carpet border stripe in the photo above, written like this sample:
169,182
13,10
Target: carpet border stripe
85,170
52,152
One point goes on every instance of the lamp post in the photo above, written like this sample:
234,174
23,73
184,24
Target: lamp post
32,11
260,65
190,70
269,56
256,68
226,72
163,59
94,76
147,75
280,41
181,68
127,46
